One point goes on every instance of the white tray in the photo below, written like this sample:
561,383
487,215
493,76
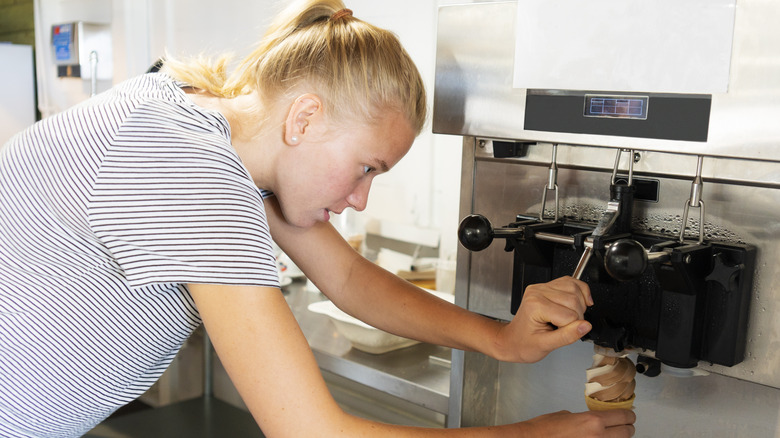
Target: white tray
363,336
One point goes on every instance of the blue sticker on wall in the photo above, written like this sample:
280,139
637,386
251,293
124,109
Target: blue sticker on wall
62,41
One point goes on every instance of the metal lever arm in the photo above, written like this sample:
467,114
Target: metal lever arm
605,223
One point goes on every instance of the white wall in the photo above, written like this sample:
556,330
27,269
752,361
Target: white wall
423,189
56,94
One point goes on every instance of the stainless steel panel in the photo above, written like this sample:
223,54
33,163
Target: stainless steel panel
474,96
706,406
743,211
742,206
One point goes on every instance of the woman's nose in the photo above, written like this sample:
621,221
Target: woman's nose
359,197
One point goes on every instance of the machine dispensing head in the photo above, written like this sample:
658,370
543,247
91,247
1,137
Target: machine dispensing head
686,300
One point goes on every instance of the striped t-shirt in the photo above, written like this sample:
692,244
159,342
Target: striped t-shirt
106,211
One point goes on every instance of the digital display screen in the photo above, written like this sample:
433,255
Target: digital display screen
629,107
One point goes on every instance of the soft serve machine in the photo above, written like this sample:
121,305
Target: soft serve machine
651,170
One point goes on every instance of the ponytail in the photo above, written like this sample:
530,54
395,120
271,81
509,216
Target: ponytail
357,69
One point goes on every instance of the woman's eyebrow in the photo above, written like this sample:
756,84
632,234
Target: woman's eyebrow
382,165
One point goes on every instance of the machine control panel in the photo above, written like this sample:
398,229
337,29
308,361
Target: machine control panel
673,117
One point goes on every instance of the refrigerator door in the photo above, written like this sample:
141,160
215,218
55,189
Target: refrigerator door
17,101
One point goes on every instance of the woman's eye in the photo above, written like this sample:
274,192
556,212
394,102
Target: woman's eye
368,169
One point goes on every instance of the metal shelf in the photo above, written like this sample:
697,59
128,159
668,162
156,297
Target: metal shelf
419,374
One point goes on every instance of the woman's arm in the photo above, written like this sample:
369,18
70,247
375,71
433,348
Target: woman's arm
550,316
270,363
267,358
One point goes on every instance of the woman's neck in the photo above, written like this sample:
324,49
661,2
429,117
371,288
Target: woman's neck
249,136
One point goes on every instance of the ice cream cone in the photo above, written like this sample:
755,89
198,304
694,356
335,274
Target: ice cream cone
610,382
598,405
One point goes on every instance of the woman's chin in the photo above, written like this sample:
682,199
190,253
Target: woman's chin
310,220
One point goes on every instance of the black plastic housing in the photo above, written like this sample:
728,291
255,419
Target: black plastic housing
692,307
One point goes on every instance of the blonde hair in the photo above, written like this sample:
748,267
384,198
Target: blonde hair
358,69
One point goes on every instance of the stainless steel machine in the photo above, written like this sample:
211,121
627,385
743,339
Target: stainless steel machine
665,202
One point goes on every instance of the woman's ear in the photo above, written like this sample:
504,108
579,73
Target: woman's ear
301,115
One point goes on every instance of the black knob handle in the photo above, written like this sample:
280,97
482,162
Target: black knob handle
475,232
625,259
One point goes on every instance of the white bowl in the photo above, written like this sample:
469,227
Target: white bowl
363,336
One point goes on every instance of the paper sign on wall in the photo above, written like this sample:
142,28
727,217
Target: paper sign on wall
674,46
62,40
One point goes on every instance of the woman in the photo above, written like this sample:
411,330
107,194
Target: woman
130,219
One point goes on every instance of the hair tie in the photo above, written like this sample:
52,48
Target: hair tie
340,14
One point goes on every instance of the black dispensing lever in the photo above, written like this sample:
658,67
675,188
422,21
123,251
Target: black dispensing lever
627,259
616,218
624,259
476,233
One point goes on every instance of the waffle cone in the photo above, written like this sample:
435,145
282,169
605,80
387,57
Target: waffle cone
598,405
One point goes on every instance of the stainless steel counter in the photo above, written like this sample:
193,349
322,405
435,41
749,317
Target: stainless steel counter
419,374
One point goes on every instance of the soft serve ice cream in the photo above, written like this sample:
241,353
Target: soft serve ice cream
611,382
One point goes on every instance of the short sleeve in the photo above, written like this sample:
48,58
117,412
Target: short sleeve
173,204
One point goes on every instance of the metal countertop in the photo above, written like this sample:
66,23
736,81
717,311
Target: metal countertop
419,374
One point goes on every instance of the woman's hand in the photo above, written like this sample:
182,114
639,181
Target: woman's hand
618,423
550,316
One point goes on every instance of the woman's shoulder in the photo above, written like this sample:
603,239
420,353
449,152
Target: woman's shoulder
159,104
